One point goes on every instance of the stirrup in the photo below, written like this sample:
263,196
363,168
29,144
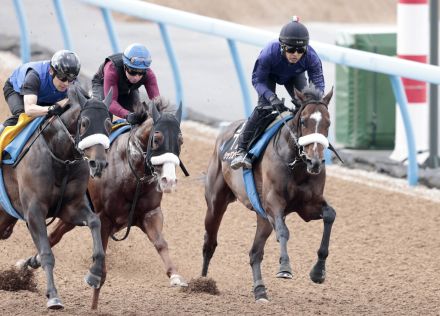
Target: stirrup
241,161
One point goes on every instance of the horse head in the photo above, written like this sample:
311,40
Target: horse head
312,125
92,129
164,143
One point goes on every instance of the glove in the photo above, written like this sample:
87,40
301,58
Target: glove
277,104
136,118
55,109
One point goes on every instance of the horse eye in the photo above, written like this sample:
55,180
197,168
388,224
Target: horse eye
302,122
108,126
85,122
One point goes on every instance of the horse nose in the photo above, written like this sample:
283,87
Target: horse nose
96,167
316,164
167,184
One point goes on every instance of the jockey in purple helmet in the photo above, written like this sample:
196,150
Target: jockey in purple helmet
40,87
282,62
125,73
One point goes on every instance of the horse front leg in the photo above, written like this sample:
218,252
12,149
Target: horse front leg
37,228
152,225
256,254
317,274
283,235
7,223
93,277
106,230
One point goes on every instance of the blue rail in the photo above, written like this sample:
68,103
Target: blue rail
232,32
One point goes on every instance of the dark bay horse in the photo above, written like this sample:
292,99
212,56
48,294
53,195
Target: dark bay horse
290,177
142,165
51,181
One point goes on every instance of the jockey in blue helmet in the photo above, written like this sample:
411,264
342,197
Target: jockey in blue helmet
125,73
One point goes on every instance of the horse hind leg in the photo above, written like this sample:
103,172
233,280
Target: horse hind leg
55,236
283,235
256,254
7,224
152,226
317,274
217,196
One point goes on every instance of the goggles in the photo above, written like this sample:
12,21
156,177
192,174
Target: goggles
135,72
293,49
140,61
64,78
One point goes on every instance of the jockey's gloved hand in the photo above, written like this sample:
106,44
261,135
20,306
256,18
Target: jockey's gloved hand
136,118
55,109
276,103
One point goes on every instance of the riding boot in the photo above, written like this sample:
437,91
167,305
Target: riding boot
243,159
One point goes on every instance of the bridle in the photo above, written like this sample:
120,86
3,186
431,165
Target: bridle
299,141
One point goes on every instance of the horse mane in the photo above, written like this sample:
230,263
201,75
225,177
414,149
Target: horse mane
162,104
312,93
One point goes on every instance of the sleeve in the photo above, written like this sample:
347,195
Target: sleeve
260,75
111,79
314,72
150,84
31,83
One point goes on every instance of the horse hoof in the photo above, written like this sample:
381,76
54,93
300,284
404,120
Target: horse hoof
21,264
93,280
177,280
262,301
284,275
54,303
317,277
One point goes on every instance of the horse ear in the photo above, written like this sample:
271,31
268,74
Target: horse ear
80,96
179,113
328,97
299,95
156,114
108,98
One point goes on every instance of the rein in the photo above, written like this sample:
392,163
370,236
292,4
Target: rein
149,173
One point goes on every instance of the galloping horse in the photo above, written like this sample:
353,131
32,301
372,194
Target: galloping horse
142,166
51,181
290,177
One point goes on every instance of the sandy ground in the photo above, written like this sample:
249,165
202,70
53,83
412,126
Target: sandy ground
383,255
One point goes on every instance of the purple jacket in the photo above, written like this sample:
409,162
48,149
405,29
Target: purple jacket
271,64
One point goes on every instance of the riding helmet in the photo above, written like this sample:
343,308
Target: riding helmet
137,56
294,33
66,63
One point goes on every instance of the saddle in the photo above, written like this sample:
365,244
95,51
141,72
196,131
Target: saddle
13,138
119,127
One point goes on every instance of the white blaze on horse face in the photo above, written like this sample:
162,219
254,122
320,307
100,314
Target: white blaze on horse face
168,162
317,116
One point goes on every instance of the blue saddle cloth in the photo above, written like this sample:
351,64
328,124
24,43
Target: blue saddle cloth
10,155
121,130
248,175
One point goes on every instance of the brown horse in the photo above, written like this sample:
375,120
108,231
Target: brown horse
142,166
290,177
51,181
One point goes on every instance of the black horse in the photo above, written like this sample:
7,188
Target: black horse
290,177
142,166
51,181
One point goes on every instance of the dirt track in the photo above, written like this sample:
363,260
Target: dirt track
383,258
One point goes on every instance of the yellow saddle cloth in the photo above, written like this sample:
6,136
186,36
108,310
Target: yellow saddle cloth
10,132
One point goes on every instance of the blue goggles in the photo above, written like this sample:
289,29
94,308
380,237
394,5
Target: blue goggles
140,61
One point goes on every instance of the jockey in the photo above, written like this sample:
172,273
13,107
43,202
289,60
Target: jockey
125,73
281,62
40,88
